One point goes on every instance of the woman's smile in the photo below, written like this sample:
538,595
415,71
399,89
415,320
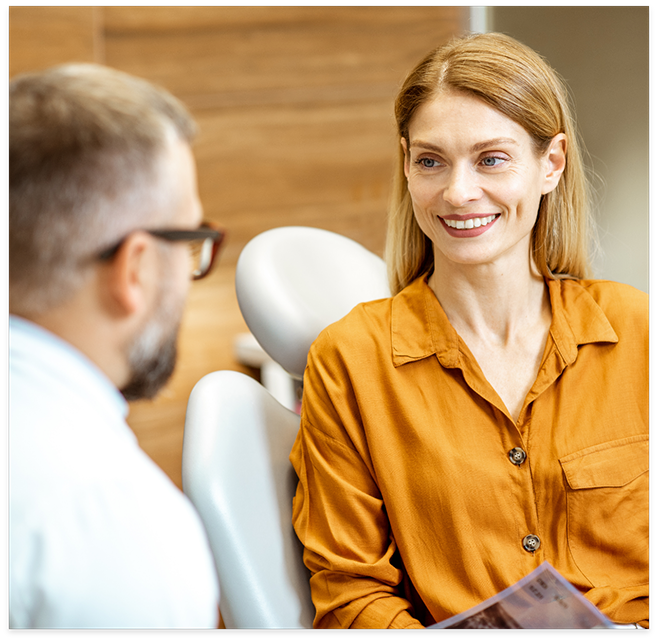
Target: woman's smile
468,226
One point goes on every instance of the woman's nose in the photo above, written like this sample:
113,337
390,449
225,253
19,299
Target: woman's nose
462,187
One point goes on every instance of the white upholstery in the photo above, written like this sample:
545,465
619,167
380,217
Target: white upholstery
292,282
237,473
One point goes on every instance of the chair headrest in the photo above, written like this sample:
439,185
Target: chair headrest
292,282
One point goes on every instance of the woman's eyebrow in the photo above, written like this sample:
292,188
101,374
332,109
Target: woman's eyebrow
478,146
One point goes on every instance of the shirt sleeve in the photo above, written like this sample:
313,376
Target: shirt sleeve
338,511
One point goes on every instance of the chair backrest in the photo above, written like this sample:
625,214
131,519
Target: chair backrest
237,474
291,282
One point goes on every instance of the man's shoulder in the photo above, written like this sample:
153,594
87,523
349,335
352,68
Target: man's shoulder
107,521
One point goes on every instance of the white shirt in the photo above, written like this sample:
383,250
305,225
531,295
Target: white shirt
99,537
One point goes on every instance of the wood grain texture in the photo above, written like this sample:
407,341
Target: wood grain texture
40,37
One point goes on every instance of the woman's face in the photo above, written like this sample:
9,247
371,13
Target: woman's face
475,179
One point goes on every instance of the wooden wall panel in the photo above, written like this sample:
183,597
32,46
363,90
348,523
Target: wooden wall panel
263,167
294,106
40,37
309,53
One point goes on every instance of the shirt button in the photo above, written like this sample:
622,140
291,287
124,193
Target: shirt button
531,543
517,456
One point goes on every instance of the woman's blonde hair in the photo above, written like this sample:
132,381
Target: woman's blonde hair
516,81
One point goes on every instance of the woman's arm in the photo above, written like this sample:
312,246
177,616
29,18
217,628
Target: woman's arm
339,514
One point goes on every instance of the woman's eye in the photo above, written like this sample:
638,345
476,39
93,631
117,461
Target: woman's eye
427,163
492,161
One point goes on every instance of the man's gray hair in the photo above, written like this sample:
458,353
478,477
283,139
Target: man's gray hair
86,143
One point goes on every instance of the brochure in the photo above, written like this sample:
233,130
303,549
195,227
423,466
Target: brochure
542,599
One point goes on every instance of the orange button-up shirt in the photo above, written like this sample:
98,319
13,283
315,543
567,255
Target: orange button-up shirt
411,506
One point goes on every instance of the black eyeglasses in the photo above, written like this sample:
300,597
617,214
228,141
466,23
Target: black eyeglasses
204,244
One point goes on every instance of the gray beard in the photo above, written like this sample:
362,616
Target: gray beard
151,366
152,353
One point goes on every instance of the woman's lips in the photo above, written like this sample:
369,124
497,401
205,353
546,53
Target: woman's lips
467,227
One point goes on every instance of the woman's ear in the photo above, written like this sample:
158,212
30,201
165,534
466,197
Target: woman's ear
405,150
555,160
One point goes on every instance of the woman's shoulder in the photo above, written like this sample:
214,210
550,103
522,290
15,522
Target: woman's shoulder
366,323
611,286
611,292
620,302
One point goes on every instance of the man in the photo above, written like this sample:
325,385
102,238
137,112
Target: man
102,192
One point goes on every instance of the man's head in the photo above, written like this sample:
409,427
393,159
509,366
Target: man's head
95,157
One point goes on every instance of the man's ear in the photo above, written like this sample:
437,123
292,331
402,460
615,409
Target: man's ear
555,160
130,273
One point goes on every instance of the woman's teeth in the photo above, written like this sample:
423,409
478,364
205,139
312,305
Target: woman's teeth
470,223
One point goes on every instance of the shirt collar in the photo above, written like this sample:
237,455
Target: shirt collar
420,327
577,318
46,352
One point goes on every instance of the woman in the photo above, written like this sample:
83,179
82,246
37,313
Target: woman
492,414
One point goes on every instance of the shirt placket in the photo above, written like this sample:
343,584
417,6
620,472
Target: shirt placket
516,451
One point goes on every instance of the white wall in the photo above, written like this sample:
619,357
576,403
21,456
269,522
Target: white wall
603,54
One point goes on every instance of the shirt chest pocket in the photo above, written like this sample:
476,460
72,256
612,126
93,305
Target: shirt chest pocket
607,490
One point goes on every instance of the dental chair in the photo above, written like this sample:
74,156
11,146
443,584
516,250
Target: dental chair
291,283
